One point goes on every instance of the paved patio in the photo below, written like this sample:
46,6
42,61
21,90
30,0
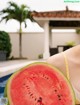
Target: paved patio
8,67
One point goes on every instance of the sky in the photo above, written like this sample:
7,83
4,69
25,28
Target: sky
37,5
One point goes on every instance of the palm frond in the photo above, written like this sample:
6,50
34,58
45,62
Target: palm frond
29,16
13,4
19,13
8,11
6,18
25,24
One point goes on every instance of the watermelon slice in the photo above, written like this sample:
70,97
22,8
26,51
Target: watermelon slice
39,84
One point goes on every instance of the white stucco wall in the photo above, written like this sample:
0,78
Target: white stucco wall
60,38
15,44
33,43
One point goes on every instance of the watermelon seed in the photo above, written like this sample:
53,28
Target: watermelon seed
40,101
31,94
35,99
59,97
55,90
47,78
28,87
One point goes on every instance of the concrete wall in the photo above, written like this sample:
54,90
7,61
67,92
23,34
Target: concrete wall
33,43
61,38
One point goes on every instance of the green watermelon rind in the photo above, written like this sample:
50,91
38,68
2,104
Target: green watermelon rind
7,94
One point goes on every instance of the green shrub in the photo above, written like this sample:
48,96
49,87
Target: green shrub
40,56
70,43
78,31
5,44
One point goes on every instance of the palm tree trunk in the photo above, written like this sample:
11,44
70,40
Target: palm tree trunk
20,42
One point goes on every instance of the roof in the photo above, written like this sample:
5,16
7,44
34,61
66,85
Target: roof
64,18
57,14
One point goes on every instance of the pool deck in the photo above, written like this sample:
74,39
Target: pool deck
8,67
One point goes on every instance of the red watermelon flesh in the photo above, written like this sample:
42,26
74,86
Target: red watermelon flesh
39,84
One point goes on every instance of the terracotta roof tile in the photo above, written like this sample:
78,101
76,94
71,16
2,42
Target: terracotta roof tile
57,14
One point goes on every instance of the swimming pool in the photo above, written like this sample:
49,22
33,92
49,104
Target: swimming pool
3,81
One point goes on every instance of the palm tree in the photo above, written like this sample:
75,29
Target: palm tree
19,13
